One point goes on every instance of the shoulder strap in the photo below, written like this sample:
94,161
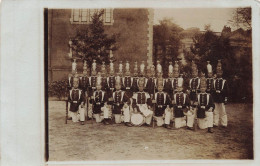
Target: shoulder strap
223,82
184,98
207,99
122,95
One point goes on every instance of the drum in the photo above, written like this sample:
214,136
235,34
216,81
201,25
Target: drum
137,119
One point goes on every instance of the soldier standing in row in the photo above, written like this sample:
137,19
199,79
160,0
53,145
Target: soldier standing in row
210,79
194,85
128,81
103,76
220,97
205,106
135,79
169,82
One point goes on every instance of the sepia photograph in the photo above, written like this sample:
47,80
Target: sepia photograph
148,84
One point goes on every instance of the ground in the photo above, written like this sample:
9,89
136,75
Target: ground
92,141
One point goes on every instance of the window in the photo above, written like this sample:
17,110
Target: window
84,16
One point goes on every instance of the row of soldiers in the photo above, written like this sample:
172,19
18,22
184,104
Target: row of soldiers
154,97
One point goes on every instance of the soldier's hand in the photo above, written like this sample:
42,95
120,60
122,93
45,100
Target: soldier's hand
225,101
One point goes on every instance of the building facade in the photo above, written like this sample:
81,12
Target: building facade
135,39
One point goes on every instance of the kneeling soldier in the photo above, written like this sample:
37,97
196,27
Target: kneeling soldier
162,104
99,101
205,107
76,99
142,102
119,100
181,104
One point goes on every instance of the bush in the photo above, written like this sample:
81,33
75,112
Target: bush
58,88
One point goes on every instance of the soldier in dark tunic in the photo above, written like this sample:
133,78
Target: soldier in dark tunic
120,100
162,104
169,81
76,100
128,81
99,101
103,77
135,79
220,97
194,86
151,81
205,107
210,79
181,104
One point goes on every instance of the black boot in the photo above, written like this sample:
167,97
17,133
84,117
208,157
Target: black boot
167,126
128,124
210,130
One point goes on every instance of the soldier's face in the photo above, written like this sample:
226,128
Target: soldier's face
219,74
160,88
203,89
118,86
176,74
98,87
141,87
179,89
75,83
210,75
195,74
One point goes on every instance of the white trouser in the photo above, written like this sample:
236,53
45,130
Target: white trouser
220,114
168,116
180,122
146,112
159,120
126,112
191,117
98,117
202,123
117,118
78,116
148,119
209,117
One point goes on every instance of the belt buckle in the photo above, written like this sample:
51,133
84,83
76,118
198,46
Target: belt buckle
193,90
75,101
179,106
127,88
217,91
202,107
98,103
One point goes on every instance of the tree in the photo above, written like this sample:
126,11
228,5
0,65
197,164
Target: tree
241,18
166,42
92,42
210,47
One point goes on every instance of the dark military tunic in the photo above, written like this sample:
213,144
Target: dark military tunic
162,101
83,83
104,83
98,101
135,84
182,102
205,101
92,84
220,90
210,85
75,98
119,98
127,85
194,88
141,98
150,86
168,87
111,81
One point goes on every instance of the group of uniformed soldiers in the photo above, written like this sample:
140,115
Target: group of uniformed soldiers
123,96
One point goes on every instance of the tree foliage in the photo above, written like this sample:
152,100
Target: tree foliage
241,18
92,42
166,41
